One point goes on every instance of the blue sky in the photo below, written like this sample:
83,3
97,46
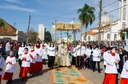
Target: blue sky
46,11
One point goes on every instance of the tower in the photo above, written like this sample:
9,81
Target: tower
123,13
41,30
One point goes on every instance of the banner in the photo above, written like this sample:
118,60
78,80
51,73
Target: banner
67,26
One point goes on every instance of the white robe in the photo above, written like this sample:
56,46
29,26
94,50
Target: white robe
88,52
44,53
111,67
104,57
20,52
2,65
26,63
96,55
74,52
52,51
33,58
82,50
10,67
78,50
124,73
39,54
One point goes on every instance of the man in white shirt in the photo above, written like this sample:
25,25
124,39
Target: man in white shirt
96,59
7,48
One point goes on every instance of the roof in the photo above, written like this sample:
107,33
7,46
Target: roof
90,32
106,26
6,29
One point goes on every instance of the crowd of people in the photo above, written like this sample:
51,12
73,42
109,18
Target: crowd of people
79,54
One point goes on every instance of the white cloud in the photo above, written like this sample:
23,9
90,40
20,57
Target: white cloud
15,1
14,7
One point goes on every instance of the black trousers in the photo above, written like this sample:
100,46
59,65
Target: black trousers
74,62
90,63
20,62
48,61
82,62
78,61
94,66
51,61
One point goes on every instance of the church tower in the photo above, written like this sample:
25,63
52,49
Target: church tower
123,13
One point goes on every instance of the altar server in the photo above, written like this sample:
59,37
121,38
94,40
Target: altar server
124,74
33,56
10,67
111,72
25,64
38,50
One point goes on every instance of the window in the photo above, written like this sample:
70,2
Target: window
88,38
115,36
108,36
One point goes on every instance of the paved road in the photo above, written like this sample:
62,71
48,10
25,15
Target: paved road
44,77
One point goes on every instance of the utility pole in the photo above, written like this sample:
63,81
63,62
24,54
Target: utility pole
29,21
100,14
74,31
55,31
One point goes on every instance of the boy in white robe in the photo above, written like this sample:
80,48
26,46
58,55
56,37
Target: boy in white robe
39,64
20,52
111,72
25,64
124,74
33,56
10,67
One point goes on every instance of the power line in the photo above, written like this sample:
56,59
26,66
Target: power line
110,4
113,10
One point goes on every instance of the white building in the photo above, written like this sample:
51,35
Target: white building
41,31
110,30
9,32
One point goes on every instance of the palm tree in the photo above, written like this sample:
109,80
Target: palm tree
86,15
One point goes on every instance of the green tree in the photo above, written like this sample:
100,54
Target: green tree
86,15
47,37
32,37
122,35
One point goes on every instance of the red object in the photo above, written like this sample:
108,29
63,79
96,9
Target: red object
7,76
110,79
37,46
43,45
103,49
31,56
124,81
32,50
26,52
69,48
24,59
23,72
11,56
16,46
31,69
38,66
113,54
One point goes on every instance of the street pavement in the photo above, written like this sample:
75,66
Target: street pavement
45,77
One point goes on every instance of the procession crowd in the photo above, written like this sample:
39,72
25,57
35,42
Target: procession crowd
82,55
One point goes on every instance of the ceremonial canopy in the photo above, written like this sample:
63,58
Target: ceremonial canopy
67,26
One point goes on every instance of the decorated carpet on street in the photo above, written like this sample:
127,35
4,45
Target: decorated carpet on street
66,75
